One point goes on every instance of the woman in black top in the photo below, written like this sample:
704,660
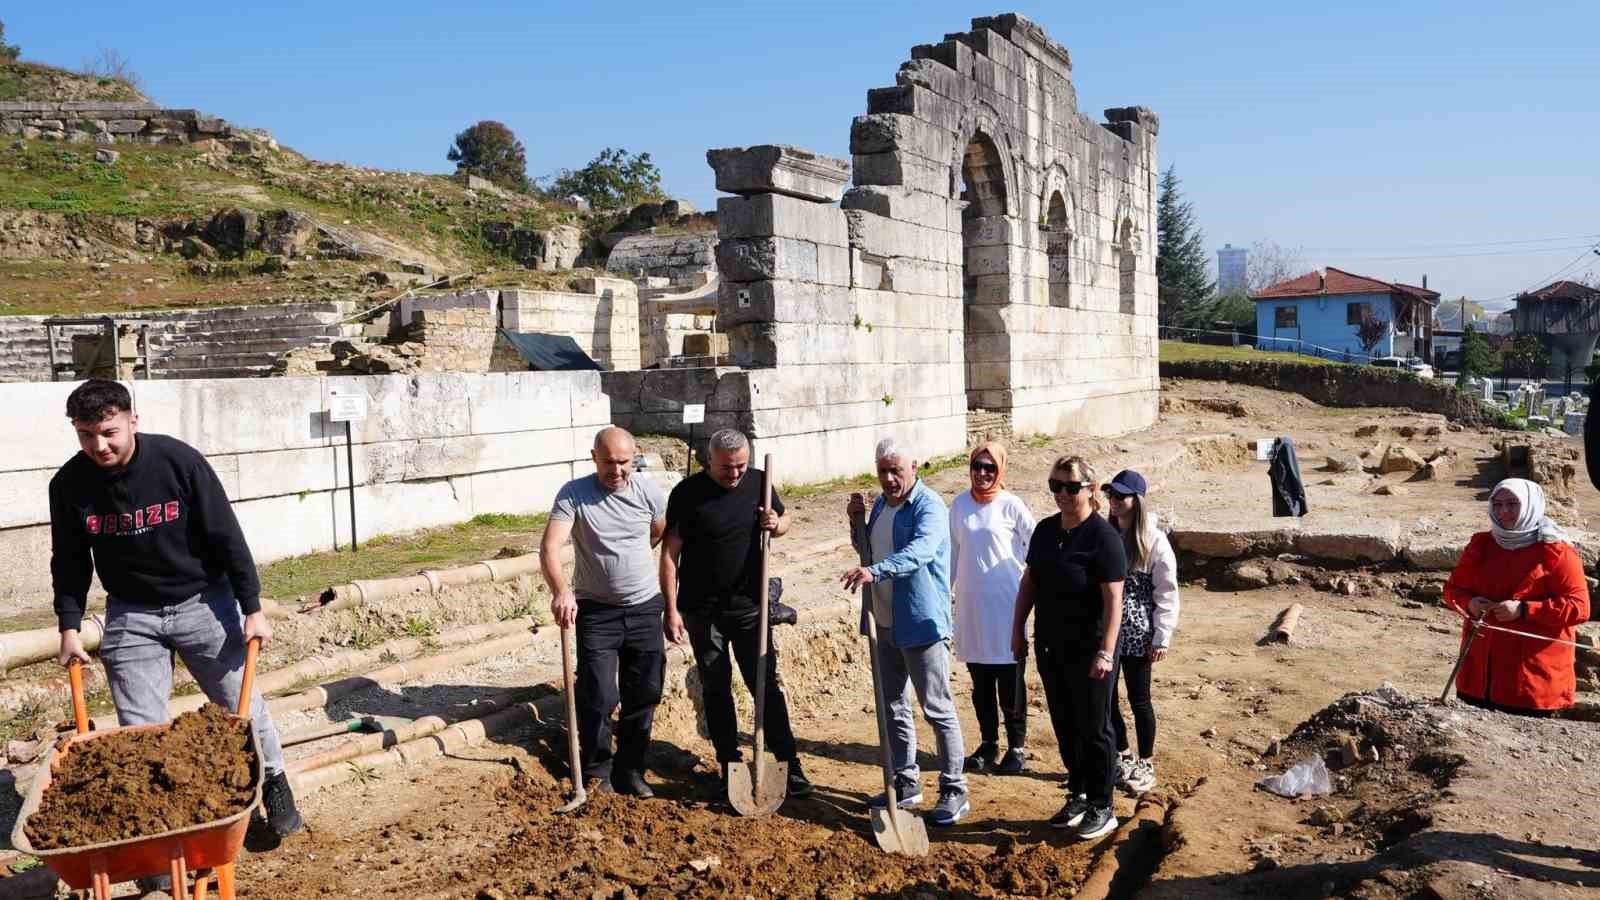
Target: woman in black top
1076,566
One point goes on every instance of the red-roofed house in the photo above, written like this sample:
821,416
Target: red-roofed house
1566,317
1320,311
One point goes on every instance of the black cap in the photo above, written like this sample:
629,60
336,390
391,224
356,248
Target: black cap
1128,483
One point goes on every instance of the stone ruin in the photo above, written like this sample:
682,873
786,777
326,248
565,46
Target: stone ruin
465,331
984,264
994,251
108,122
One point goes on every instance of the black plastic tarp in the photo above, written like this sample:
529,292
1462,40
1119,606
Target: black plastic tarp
551,352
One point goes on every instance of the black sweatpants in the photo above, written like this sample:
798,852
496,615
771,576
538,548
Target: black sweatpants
1080,712
999,681
622,657
1136,673
713,634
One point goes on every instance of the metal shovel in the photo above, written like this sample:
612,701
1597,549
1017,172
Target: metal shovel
759,787
896,830
579,795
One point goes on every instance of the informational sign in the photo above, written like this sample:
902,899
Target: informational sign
347,407
1264,448
694,413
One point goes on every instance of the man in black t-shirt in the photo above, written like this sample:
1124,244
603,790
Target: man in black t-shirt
711,579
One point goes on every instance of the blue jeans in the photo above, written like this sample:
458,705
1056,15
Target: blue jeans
207,632
927,669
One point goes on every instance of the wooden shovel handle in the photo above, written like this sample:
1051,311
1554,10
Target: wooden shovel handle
252,650
80,707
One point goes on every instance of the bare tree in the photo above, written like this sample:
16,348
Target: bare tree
111,64
1270,264
1371,332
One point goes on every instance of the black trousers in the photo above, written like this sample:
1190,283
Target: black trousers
1080,713
1000,681
713,634
622,658
1136,673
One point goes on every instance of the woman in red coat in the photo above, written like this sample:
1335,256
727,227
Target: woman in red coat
1522,574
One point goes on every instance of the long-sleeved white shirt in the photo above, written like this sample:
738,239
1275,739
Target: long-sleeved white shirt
1164,576
988,549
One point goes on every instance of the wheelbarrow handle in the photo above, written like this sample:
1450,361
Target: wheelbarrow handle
80,706
252,649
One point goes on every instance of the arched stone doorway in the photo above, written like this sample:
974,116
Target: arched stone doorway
985,273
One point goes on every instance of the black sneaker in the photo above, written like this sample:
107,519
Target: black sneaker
981,762
602,786
279,802
1070,815
779,613
1098,821
1013,762
799,785
632,784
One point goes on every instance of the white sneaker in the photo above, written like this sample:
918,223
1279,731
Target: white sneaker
1126,762
1141,777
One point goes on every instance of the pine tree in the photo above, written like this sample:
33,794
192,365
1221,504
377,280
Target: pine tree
489,149
1476,357
8,52
1184,283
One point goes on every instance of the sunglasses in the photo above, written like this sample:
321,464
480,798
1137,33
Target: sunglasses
978,466
1071,487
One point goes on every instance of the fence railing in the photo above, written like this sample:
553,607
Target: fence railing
1273,344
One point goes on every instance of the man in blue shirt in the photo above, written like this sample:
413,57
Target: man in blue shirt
908,539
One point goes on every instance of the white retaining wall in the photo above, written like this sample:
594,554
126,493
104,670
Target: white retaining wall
435,449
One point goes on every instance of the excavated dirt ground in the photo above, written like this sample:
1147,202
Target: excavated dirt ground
138,783
1513,820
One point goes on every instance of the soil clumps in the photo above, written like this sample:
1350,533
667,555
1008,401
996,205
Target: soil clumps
616,847
141,783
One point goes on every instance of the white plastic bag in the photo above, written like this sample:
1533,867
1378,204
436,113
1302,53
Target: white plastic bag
1307,777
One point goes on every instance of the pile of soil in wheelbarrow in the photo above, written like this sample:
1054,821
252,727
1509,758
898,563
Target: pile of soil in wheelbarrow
142,783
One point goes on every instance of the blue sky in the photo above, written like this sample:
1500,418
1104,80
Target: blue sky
1358,132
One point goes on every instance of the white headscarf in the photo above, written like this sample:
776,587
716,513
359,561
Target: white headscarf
1532,525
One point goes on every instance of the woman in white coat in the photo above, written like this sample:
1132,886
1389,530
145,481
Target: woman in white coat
1149,617
989,532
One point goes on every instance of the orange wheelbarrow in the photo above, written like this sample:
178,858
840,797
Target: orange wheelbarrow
208,850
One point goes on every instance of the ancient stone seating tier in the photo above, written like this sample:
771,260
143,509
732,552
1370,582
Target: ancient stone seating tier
219,342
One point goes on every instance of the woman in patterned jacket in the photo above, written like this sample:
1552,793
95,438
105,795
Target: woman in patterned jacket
1149,616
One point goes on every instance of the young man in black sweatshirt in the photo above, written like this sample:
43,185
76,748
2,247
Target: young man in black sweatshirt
150,514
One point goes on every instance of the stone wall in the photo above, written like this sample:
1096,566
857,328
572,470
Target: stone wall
1340,385
996,250
602,316
676,257
109,122
435,449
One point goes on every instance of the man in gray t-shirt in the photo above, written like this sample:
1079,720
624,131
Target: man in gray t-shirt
615,520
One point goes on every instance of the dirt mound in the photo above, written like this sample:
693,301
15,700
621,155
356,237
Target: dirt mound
616,847
1211,452
141,783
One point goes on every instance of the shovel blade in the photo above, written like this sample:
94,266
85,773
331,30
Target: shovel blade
577,800
898,831
751,799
